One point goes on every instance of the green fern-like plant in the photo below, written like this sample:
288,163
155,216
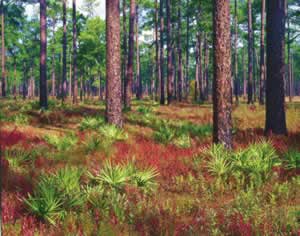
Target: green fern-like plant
91,123
62,143
113,133
165,134
219,163
46,202
291,160
254,164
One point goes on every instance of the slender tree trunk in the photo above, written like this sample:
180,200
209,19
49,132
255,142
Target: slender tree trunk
129,77
250,54
200,79
222,74
275,110
113,64
3,62
43,55
125,56
81,89
206,64
289,77
70,77
15,80
157,50
162,77
244,74
64,48
262,54
187,78
236,79
139,85
197,82
180,79
170,51
74,74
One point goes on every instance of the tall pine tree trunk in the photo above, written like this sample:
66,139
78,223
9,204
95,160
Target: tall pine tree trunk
162,77
64,46
262,54
275,105
222,74
74,74
170,51
113,64
180,79
236,79
139,87
43,55
187,53
157,50
125,56
3,62
129,76
250,54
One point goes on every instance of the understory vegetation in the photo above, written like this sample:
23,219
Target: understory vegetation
72,174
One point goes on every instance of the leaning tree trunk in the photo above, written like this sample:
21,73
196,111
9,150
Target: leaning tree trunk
64,46
275,105
3,75
129,76
170,51
180,79
74,74
162,78
113,64
250,54
262,54
43,55
222,74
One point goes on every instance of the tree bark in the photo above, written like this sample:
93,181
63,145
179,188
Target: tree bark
275,104
250,54
113,64
43,55
129,77
162,83
222,74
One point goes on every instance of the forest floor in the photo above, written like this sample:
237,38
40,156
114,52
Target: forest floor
159,175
